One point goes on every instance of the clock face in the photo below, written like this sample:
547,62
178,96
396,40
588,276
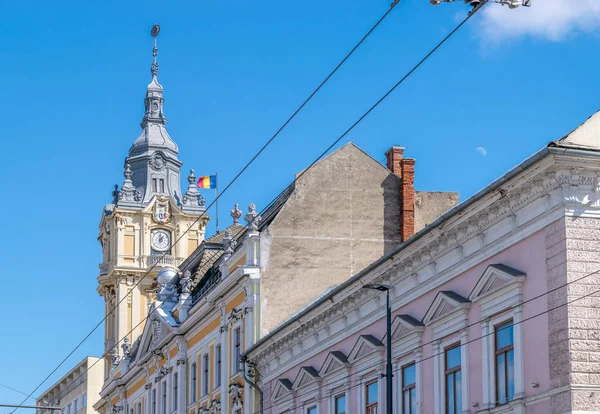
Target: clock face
161,240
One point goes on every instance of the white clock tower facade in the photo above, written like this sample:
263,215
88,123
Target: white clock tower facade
149,225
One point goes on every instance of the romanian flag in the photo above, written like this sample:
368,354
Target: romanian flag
208,181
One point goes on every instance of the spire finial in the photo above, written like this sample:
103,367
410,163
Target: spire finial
154,32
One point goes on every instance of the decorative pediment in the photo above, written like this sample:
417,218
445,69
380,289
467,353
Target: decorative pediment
494,279
306,376
154,330
335,361
282,389
365,346
445,303
403,326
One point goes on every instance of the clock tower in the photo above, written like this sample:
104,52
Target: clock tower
149,224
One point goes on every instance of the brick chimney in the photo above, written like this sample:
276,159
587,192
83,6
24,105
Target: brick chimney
404,168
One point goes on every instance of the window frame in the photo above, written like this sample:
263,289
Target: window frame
237,349
368,406
194,383
175,388
164,403
75,405
452,371
218,365
205,374
153,402
336,397
410,387
503,351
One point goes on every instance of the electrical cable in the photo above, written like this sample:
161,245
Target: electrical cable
348,55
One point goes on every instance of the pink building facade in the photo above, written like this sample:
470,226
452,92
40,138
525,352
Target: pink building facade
495,307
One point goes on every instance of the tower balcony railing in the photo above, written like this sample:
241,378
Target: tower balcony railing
163,260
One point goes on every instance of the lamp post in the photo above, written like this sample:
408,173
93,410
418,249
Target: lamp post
388,345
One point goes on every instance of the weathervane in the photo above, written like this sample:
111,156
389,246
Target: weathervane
154,32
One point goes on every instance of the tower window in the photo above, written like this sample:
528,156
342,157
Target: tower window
154,185
162,185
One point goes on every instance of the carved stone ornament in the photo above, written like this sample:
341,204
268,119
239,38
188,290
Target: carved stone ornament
161,212
115,358
228,244
162,372
192,196
155,330
126,346
128,191
186,282
214,407
158,161
252,218
236,213
238,314
236,393
116,408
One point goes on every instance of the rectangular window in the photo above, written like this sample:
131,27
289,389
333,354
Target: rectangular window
164,397
504,362
409,389
194,383
154,401
237,342
311,410
154,185
131,411
139,408
218,366
84,400
340,404
371,391
205,362
453,380
69,409
162,185
175,385
75,406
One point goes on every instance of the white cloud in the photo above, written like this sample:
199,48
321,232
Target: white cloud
549,19
481,150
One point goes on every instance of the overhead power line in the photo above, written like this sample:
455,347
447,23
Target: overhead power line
337,140
285,124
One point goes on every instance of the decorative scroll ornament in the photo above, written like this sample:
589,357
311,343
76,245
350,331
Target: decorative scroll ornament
161,212
252,218
116,408
236,213
236,393
238,314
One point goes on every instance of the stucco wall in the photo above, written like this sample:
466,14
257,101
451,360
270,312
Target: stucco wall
529,256
430,205
343,214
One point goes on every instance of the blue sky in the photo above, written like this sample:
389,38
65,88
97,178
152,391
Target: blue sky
73,81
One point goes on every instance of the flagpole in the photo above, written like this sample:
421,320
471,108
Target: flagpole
217,201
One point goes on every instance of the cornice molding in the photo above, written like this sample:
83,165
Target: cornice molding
529,197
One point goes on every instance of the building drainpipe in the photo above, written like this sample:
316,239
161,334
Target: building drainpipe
243,360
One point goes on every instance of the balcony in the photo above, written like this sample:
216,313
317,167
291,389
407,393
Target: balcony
161,260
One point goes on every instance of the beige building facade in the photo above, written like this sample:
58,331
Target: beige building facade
77,391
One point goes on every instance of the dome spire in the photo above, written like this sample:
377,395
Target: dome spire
154,69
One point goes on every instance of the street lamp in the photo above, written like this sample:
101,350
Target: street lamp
388,345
